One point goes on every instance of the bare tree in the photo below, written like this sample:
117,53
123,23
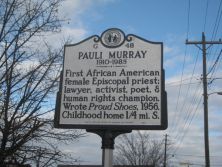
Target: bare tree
28,78
139,149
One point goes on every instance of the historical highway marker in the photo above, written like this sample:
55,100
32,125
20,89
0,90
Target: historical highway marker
112,82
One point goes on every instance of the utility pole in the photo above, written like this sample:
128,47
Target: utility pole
203,42
165,150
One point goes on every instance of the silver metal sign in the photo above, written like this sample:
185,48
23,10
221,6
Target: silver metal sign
112,82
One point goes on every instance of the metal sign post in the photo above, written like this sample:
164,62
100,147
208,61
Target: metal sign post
108,141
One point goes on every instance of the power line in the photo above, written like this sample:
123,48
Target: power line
192,155
188,19
186,130
180,133
176,114
203,42
188,109
179,84
187,91
176,82
205,20
192,110
217,22
215,30
215,63
189,117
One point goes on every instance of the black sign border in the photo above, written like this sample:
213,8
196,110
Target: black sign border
164,110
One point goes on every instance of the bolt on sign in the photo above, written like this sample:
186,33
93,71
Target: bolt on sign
112,81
